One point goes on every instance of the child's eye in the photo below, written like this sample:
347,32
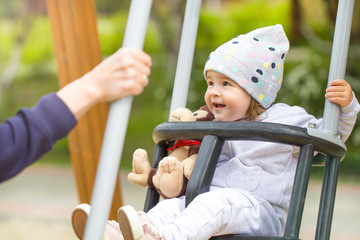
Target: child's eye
226,84
210,83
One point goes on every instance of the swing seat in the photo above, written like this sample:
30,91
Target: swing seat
213,135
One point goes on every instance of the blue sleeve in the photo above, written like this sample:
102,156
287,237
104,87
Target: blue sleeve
29,134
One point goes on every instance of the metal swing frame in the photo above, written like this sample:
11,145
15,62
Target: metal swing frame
310,140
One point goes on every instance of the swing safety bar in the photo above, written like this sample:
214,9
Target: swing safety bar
118,117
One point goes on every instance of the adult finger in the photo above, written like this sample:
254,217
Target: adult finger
141,56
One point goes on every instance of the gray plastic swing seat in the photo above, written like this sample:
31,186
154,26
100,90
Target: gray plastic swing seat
215,133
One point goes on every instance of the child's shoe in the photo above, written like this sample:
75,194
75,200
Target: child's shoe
79,217
137,225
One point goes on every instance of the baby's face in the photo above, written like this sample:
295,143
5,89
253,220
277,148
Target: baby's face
225,98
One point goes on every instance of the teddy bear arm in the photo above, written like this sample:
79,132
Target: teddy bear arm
180,153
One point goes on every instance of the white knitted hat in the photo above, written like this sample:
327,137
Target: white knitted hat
255,61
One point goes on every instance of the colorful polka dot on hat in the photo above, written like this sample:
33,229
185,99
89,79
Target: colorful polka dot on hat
255,61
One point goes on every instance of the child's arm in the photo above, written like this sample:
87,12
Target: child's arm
340,92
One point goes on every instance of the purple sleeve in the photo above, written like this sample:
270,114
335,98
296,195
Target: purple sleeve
29,134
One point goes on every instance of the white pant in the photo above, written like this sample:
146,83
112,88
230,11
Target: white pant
218,212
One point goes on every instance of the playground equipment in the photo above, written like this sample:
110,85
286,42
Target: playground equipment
310,140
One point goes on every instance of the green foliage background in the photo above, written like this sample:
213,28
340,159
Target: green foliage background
305,79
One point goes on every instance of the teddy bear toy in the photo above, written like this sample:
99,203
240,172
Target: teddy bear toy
171,176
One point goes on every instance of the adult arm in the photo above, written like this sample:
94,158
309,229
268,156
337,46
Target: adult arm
29,134
25,137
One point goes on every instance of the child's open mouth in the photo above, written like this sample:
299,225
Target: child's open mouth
218,106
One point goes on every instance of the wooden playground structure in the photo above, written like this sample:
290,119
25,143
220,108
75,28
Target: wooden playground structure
77,50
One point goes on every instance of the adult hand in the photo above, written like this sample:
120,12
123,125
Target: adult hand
122,74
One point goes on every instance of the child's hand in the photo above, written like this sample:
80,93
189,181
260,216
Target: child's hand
340,92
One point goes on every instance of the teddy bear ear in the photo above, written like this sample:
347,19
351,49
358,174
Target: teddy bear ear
204,114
